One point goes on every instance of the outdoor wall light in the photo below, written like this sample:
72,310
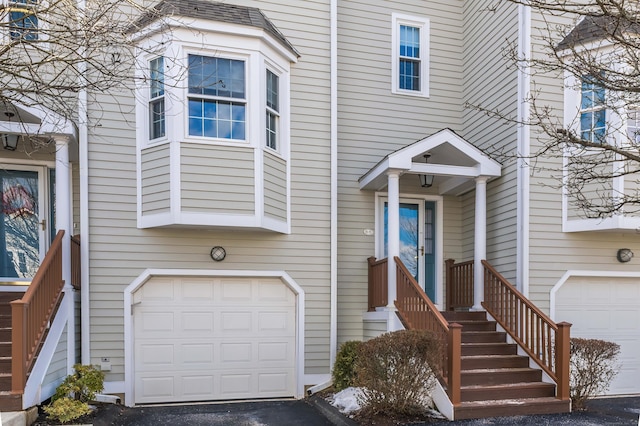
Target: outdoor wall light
10,141
426,181
218,253
624,255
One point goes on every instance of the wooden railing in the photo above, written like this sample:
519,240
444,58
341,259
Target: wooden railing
459,284
31,314
417,312
546,342
378,291
76,280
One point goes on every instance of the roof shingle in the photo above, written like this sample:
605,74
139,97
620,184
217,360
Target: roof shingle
593,28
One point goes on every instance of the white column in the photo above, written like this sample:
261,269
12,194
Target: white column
64,222
480,242
393,234
63,204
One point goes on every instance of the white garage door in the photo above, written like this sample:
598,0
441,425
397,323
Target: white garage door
607,309
201,339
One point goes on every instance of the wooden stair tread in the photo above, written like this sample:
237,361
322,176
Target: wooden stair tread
514,402
500,356
509,385
499,370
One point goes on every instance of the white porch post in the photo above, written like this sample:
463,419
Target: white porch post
393,236
64,222
480,242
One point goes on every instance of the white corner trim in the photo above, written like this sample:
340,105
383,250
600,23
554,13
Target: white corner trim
150,273
333,242
524,150
83,148
590,274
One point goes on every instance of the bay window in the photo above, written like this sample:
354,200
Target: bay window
272,111
156,102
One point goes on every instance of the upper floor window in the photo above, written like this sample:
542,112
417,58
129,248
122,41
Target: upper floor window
592,110
217,98
156,99
273,115
23,22
633,127
410,67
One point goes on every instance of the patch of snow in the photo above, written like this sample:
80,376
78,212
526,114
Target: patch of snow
346,401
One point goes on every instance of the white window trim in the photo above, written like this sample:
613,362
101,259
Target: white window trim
423,24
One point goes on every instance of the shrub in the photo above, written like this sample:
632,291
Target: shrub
66,409
343,372
396,372
593,364
71,397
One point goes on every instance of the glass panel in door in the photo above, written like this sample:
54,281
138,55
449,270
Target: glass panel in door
409,236
430,249
19,224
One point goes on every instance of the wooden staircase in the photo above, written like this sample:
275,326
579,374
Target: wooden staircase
495,380
8,401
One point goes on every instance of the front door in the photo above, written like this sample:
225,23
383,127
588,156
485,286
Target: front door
23,221
417,241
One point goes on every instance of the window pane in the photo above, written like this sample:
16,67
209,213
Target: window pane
217,119
23,25
156,67
272,90
157,119
409,41
409,74
216,77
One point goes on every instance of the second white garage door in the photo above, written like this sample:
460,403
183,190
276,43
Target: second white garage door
606,309
199,339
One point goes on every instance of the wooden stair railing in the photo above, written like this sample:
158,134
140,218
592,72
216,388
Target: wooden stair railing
459,284
31,314
378,286
75,262
417,312
545,342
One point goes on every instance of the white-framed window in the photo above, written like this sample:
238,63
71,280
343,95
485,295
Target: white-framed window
272,110
157,121
593,117
633,127
410,55
217,97
23,20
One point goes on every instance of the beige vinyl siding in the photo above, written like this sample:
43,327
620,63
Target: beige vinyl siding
120,251
57,370
275,186
632,190
490,82
155,185
217,179
374,328
372,122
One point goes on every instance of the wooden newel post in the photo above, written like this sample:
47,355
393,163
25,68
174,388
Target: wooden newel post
18,346
454,359
563,346
448,283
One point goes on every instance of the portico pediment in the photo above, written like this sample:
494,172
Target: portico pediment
453,161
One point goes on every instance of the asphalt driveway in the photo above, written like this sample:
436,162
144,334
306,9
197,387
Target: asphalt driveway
605,411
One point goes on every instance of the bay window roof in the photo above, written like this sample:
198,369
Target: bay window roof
212,11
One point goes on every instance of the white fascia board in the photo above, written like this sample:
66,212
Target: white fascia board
451,185
50,123
373,174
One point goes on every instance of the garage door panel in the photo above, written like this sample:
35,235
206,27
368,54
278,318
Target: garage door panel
237,341
606,309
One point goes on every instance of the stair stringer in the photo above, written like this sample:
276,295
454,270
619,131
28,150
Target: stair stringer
532,364
36,390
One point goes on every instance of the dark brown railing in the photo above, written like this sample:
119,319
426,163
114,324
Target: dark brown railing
31,314
546,342
417,312
76,275
378,286
459,284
